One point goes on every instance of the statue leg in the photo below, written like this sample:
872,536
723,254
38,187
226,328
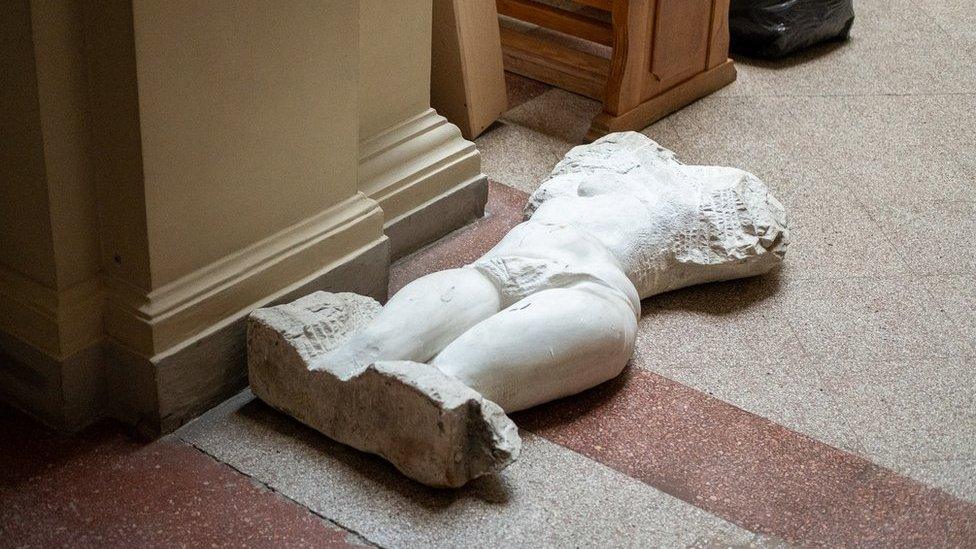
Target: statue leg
420,320
549,345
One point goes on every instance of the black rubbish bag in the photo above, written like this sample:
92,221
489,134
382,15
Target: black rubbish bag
774,28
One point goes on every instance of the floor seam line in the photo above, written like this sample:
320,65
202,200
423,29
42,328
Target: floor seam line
644,482
282,494
841,95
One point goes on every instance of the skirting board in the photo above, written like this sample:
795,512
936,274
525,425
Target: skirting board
65,393
434,219
425,177
162,393
159,394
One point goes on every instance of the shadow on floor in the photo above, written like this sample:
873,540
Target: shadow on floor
490,489
812,53
716,298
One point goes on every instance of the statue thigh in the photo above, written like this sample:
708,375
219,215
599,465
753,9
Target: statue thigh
549,345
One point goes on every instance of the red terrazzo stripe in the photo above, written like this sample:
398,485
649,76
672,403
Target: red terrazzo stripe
727,461
102,489
503,211
749,470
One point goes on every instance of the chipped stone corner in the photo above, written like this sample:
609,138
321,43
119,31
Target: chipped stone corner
429,425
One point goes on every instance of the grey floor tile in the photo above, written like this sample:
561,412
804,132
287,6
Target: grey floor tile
909,149
714,325
892,18
788,393
930,407
790,143
550,497
955,476
814,150
957,296
956,17
837,238
917,417
932,237
868,318
909,62
519,157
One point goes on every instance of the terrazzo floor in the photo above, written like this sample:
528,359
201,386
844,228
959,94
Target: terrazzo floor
831,403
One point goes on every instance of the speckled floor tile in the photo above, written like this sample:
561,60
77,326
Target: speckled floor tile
892,18
955,17
932,237
550,497
517,156
790,393
868,318
957,296
909,149
748,470
911,416
955,476
715,325
787,142
907,62
102,489
930,405
838,238
815,151
914,417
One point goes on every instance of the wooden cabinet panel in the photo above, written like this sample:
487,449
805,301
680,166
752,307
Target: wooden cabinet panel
664,54
680,43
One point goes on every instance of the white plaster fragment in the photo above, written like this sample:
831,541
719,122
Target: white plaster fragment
429,425
548,312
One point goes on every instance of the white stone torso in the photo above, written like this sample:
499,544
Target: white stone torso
665,224
550,311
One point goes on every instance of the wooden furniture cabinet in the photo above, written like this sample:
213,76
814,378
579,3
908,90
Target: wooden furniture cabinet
664,54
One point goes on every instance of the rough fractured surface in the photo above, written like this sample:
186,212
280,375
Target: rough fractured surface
669,224
429,425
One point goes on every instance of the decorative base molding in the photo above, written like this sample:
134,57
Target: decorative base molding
422,165
66,393
161,393
58,323
433,219
160,322
156,360
50,350
165,357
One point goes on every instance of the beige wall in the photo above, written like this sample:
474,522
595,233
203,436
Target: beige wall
248,119
63,100
117,176
415,164
26,241
394,43
48,241
171,165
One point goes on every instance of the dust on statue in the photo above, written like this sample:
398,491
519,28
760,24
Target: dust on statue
426,380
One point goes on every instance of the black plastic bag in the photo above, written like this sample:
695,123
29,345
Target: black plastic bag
774,28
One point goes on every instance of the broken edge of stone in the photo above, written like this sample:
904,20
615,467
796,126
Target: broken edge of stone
432,427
